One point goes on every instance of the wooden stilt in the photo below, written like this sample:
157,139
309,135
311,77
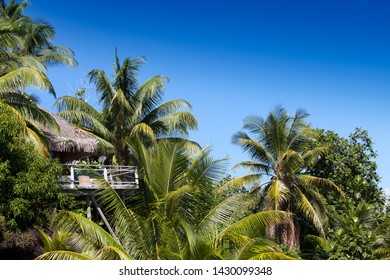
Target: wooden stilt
89,216
99,210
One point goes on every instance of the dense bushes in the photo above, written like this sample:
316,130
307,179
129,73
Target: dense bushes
28,180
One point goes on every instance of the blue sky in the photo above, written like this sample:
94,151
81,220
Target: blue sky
231,59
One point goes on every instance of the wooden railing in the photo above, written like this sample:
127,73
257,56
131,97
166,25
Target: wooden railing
82,176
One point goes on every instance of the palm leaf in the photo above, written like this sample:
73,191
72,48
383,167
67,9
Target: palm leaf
143,131
319,182
254,224
26,107
87,122
277,193
63,255
239,182
130,225
70,103
255,149
307,208
103,86
261,249
223,212
25,77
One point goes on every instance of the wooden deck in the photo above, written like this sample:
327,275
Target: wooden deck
82,179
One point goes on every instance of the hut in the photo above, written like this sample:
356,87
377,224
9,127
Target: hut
71,142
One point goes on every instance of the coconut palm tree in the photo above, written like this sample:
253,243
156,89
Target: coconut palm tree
128,109
18,73
36,36
280,150
25,52
179,219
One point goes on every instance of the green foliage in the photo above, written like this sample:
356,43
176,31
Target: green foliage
26,50
28,180
355,218
351,165
178,219
360,233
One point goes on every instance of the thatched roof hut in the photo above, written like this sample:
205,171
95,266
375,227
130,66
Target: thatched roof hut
71,143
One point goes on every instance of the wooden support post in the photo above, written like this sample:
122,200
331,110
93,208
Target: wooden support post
89,216
99,210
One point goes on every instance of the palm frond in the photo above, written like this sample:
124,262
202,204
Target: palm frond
261,249
204,167
143,131
87,122
319,182
382,253
254,166
311,157
103,86
307,208
130,226
254,224
25,77
222,213
70,103
255,149
239,182
63,255
175,123
57,55
113,253
318,240
25,105
36,136
72,222
167,108
292,161
150,93
277,193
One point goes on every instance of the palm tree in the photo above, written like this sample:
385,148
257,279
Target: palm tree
26,45
128,109
280,148
178,220
25,52
36,37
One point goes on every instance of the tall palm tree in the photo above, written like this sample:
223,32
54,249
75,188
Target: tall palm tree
280,150
25,52
128,109
178,220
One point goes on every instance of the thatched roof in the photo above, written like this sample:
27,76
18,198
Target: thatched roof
70,139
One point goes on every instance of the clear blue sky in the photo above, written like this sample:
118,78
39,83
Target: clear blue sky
230,59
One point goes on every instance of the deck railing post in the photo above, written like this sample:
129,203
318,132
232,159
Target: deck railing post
72,177
136,175
105,174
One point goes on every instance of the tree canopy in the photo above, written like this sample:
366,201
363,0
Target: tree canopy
28,180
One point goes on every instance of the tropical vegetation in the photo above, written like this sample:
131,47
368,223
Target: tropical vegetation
307,194
26,52
178,216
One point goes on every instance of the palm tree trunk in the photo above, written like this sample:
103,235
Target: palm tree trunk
286,233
